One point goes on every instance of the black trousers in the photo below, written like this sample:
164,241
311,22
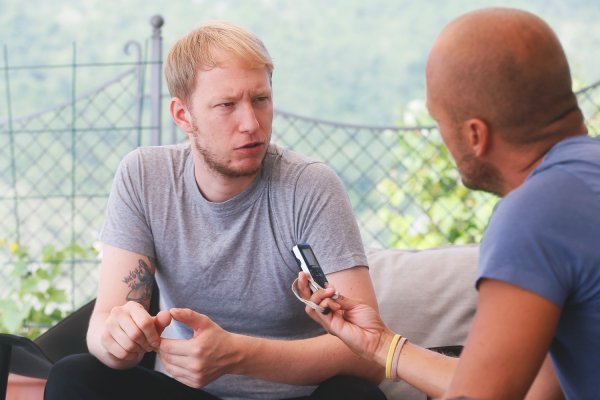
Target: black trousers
82,376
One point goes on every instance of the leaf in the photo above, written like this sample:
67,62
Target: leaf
12,316
29,284
57,295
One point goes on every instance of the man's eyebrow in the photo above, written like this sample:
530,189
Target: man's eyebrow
231,96
262,93
227,95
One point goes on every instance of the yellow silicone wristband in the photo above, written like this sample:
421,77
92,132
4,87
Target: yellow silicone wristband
390,356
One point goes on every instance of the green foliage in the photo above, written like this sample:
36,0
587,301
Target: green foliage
37,294
589,101
430,205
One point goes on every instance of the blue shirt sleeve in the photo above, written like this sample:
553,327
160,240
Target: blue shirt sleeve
533,243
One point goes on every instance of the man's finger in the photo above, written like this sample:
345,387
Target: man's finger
323,294
121,340
175,359
162,320
190,318
174,347
147,334
303,288
345,303
178,372
330,304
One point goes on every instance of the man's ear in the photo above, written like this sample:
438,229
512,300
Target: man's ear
477,134
181,115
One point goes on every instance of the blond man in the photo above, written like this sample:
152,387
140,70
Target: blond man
212,222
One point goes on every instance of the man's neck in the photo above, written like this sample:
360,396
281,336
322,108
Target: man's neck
218,188
520,162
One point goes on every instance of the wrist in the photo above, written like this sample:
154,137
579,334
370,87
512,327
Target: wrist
240,347
381,352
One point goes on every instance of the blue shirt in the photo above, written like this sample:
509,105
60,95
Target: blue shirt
545,238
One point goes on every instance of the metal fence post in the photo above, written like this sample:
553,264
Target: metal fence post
157,22
5,353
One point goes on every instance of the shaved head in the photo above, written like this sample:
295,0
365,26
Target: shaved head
505,67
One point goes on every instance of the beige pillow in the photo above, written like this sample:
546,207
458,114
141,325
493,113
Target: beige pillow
428,296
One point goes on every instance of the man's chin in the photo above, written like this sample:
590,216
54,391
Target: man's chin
481,186
246,169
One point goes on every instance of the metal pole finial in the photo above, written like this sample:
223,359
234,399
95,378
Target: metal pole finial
157,21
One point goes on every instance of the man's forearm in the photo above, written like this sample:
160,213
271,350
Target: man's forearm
546,385
301,362
426,370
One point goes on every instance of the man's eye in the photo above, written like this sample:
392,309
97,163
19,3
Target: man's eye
225,105
261,99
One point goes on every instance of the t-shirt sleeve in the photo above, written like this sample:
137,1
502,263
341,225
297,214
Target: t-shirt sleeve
526,242
325,219
125,225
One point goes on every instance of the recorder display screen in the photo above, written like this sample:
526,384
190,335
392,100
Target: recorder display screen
310,257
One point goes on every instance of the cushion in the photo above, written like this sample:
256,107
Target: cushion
428,296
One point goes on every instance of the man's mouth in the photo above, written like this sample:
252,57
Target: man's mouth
250,145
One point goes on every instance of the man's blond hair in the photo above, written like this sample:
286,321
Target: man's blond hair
196,50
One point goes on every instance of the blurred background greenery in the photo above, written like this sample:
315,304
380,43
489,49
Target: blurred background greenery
350,61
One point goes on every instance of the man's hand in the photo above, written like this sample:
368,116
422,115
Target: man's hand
129,331
358,325
200,360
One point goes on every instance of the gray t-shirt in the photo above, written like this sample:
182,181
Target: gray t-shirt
232,260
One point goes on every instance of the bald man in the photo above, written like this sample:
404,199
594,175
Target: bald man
499,87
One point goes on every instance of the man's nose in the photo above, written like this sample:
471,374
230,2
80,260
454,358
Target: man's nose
248,122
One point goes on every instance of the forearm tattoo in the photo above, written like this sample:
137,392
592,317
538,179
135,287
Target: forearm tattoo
140,281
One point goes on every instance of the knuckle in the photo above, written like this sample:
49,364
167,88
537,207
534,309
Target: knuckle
146,324
197,366
196,352
118,352
131,305
114,314
118,310
130,347
136,335
105,337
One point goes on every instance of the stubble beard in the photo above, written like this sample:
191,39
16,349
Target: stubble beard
217,166
479,175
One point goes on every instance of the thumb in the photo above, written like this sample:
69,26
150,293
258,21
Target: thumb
190,318
346,303
161,321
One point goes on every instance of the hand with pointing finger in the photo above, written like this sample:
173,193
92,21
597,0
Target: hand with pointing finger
200,360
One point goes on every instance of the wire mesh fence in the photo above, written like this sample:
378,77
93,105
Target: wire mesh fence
57,165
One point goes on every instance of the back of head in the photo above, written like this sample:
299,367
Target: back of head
505,67
198,50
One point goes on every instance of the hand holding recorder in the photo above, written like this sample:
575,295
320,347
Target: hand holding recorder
307,261
356,324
